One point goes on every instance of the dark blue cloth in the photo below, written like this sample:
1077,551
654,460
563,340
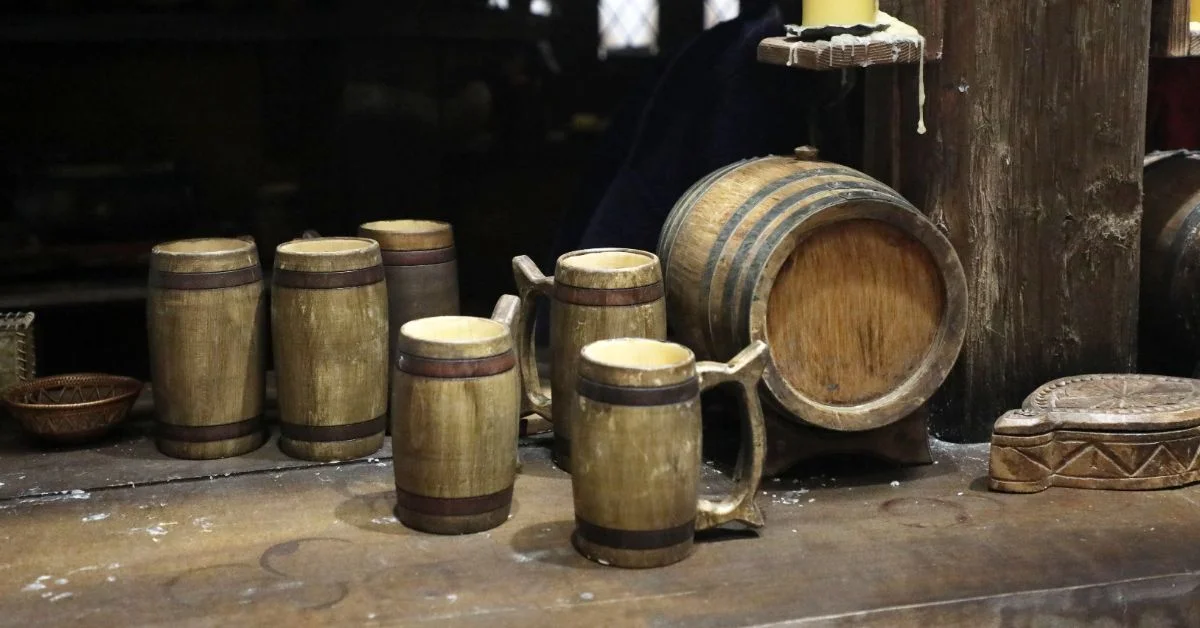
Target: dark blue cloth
715,104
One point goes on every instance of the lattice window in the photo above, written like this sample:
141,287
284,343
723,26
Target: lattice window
717,11
628,25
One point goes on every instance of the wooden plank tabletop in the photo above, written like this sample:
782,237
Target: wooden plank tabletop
318,545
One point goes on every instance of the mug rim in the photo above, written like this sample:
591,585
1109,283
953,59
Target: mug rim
454,338
310,247
595,352
181,248
649,259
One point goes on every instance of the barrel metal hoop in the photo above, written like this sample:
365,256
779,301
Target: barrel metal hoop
166,280
208,433
453,506
332,433
329,280
418,258
608,297
683,209
634,539
456,369
629,396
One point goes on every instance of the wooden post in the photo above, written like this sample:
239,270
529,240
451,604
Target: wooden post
1033,166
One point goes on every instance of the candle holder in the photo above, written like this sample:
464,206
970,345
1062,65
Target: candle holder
886,42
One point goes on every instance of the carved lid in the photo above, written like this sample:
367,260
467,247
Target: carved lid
1107,402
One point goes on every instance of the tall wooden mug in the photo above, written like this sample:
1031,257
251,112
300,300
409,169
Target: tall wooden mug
455,401
637,450
206,316
594,294
329,321
421,268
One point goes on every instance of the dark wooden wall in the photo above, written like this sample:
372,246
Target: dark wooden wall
1033,166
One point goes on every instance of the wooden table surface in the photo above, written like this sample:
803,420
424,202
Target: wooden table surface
119,535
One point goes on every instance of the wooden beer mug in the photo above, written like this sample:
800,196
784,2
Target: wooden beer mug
637,435
455,402
595,294
329,324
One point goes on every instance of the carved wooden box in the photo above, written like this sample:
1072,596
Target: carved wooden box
16,349
1122,432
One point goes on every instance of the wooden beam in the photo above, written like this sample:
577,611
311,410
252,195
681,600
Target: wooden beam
1032,164
1170,35
927,16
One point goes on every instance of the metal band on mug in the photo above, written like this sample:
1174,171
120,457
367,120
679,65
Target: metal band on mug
330,280
205,281
454,369
626,396
208,433
418,258
608,296
333,433
453,506
634,539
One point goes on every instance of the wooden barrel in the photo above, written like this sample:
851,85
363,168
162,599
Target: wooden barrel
206,313
860,297
455,423
1170,293
421,268
330,330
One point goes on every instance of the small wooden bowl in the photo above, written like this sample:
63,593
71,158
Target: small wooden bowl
72,409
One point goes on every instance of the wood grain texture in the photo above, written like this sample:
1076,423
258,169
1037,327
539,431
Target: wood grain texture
1048,237
207,347
861,299
855,308
455,438
636,498
319,546
1116,432
573,326
1169,322
330,347
1170,35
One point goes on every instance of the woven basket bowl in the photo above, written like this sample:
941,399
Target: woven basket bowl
72,409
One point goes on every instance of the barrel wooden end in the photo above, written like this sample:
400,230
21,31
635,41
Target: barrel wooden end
455,422
860,297
206,313
329,321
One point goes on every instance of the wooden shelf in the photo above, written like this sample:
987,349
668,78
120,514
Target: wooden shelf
256,26
899,44
118,534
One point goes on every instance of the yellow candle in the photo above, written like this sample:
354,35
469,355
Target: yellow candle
843,12
1196,10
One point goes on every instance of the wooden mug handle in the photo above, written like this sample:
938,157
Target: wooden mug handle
745,369
530,283
505,313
